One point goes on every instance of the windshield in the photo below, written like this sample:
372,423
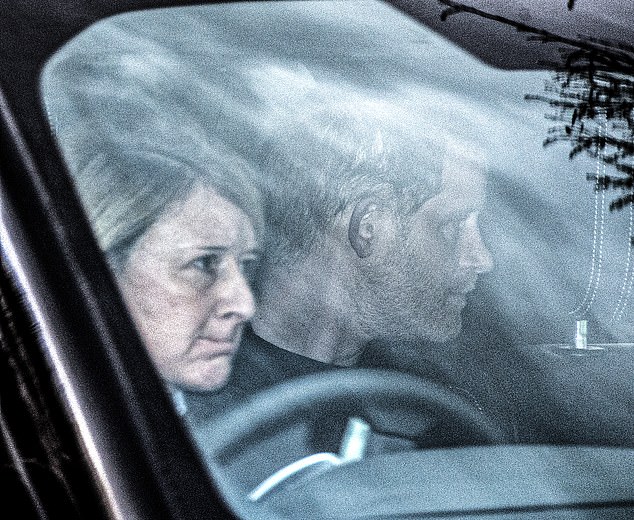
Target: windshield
297,189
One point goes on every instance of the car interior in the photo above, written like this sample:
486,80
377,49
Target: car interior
523,410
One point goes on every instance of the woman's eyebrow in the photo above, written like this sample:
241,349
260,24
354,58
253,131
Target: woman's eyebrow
255,252
223,249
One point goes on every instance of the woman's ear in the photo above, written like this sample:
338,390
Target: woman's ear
362,227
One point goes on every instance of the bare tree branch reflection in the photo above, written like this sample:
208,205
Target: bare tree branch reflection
592,94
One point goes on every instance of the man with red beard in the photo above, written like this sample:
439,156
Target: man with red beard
372,243
372,235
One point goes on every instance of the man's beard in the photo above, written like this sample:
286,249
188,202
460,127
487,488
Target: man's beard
404,312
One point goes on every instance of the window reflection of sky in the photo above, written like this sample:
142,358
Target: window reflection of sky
540,219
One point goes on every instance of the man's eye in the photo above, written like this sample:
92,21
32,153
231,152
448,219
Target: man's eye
451,230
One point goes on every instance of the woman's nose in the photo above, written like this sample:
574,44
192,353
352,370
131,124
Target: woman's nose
233,295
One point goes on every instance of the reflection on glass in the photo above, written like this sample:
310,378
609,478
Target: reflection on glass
287,189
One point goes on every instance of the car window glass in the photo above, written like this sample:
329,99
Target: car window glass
291,189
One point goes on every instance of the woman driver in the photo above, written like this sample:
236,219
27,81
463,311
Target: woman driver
181,236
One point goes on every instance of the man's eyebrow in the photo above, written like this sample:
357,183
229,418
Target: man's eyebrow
462,213
213,249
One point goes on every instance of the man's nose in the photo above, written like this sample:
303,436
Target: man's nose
233,295
474,253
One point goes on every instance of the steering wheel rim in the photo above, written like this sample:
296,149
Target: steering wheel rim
354,392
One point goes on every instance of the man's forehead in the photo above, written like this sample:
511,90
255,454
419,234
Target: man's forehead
463,169
463,182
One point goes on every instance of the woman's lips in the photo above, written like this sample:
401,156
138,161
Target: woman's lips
218,343
210,348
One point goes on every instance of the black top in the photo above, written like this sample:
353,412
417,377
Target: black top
259,365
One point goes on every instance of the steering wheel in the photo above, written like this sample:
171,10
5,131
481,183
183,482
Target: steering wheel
390,402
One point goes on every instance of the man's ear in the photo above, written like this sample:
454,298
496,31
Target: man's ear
362,227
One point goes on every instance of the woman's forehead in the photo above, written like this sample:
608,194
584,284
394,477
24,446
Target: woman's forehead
205,218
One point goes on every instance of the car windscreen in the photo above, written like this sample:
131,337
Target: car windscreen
289,190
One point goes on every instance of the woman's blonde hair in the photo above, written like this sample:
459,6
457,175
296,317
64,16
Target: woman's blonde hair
124,191
129,128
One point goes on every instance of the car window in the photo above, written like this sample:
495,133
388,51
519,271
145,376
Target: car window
333,190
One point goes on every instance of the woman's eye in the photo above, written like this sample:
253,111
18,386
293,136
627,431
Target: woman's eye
208,264
211,267
249,268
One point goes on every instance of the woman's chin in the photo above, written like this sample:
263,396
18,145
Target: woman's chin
207,375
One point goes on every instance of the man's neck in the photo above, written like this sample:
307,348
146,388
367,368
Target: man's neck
305,310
